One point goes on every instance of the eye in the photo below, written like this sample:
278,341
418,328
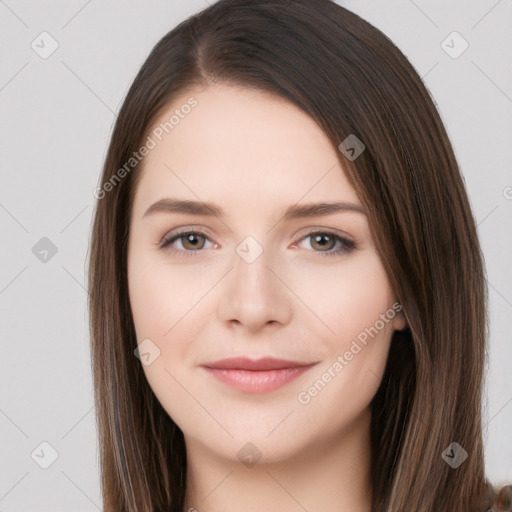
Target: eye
326,241
191,241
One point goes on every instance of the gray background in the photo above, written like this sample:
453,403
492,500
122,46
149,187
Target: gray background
56,118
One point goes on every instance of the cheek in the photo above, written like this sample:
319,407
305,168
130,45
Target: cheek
166,308
335,302
170,307
352,302
163,295
346,298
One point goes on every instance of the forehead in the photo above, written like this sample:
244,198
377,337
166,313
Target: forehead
240,144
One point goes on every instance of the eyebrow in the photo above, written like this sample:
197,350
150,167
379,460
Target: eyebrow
170,205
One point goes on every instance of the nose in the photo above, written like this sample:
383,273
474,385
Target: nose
254,295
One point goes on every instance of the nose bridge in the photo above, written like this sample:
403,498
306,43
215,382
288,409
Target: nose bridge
254,296
252,279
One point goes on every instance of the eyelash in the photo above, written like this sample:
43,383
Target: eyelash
166,243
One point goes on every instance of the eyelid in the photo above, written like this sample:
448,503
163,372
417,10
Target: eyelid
312,230
349,243
173,235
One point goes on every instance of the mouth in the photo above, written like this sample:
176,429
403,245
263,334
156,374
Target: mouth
256,376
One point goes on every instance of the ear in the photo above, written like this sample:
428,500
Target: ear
399,321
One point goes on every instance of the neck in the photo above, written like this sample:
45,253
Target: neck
333,474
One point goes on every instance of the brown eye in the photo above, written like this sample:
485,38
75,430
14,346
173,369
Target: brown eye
329,244
323,241
190,241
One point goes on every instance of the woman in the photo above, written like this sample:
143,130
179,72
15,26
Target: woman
236,367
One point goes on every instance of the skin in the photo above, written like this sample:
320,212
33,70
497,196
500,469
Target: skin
254,154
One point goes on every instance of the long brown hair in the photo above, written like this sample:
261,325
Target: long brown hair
352,80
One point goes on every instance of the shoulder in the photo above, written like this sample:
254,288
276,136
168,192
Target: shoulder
501,498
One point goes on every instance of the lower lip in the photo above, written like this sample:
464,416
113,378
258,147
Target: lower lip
251,381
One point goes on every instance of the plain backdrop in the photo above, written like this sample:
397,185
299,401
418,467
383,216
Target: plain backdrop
57,113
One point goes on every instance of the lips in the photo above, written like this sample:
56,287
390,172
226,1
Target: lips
244,363
256,376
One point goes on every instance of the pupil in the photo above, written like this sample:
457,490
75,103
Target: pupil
318,239
192,240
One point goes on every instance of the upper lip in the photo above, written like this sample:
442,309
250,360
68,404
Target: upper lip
244,363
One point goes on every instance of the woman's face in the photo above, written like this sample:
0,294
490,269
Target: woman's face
251,282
